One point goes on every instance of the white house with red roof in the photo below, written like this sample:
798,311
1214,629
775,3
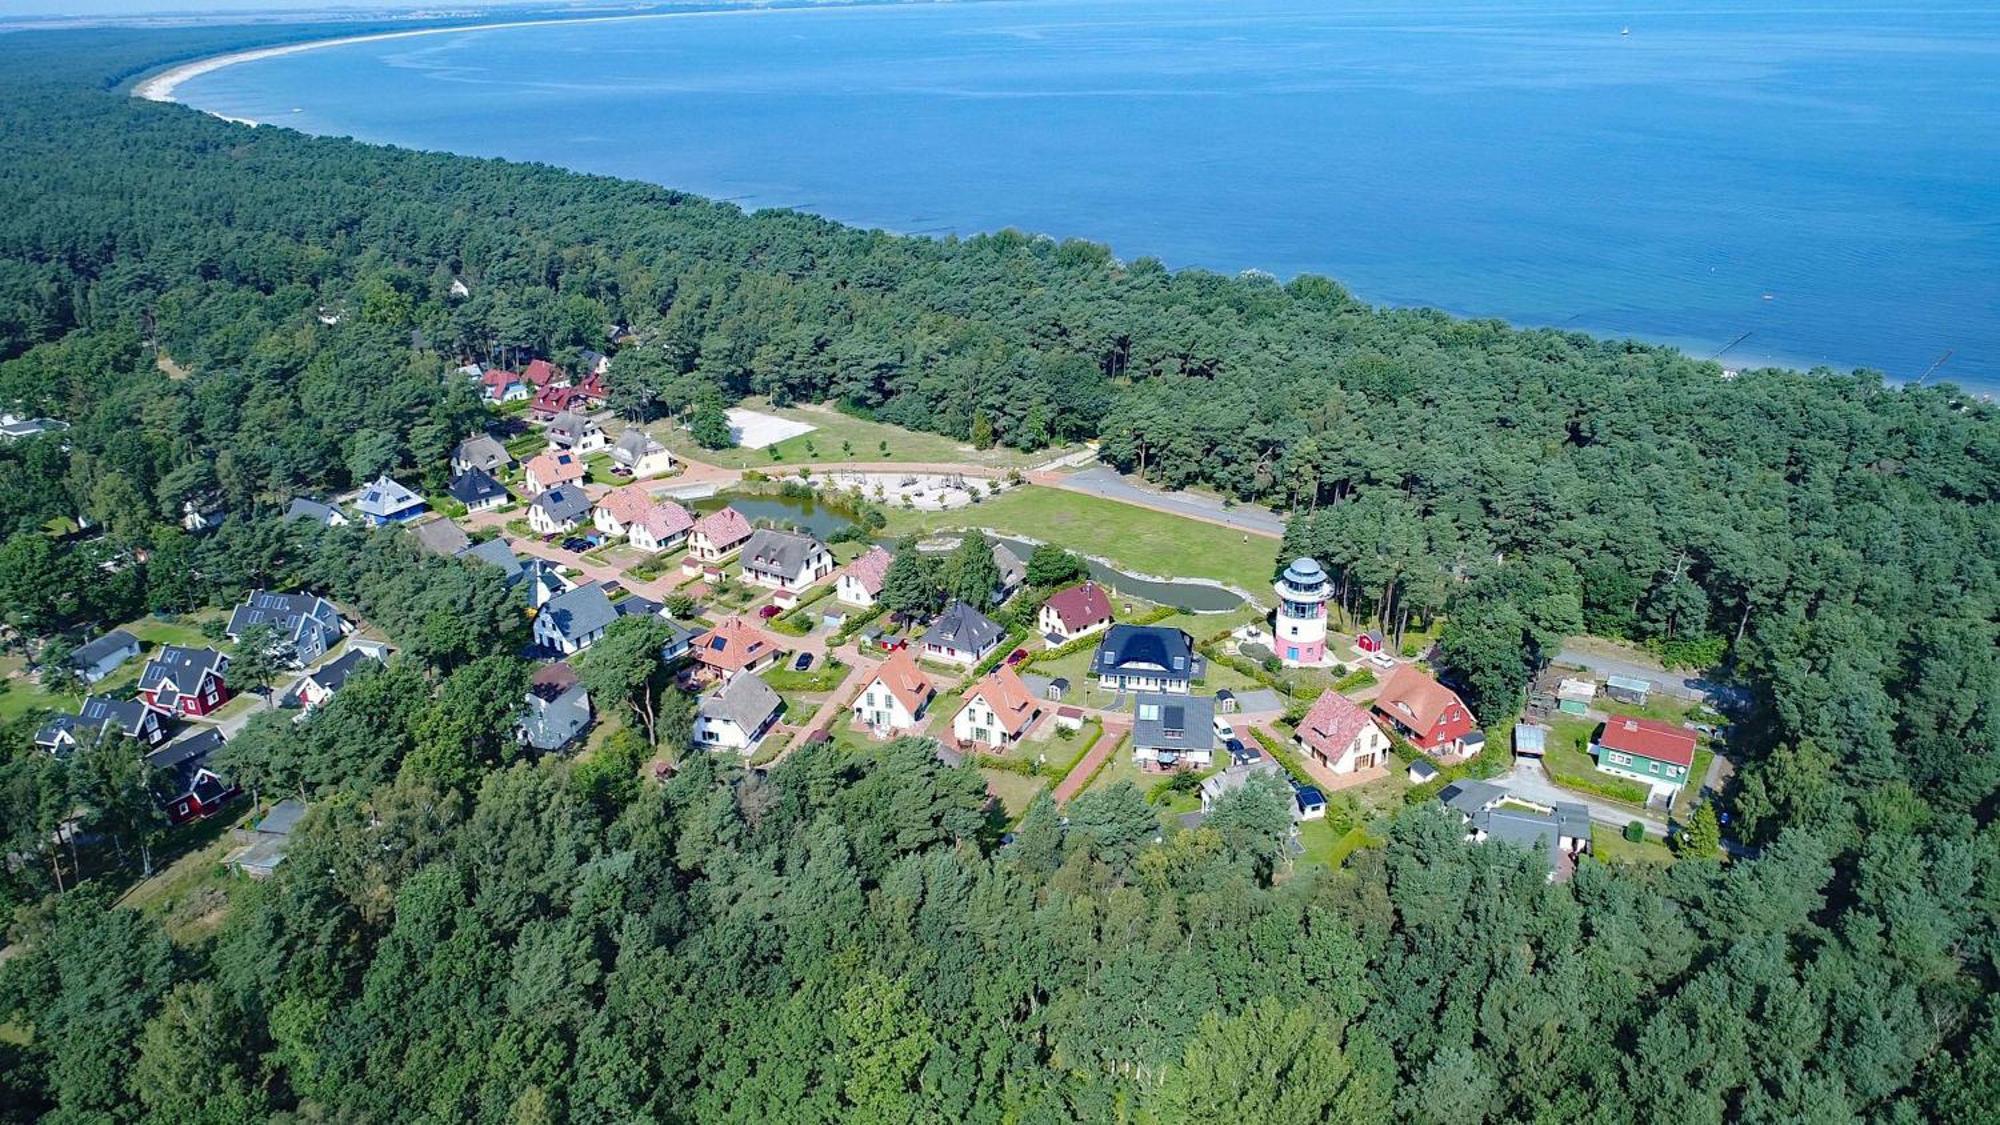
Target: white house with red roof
503,386
1343,737
548,470
733,647
896,698
861,583
617,510
718,534
540,374
997,712
1646,750
662,527
1075,612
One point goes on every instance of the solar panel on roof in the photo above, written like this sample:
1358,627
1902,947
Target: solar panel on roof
1177,717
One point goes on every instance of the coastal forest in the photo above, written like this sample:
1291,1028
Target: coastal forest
230,317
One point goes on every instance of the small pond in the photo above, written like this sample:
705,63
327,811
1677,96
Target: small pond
1197,596
802,512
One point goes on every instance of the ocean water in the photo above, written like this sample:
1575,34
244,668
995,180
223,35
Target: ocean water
1824,178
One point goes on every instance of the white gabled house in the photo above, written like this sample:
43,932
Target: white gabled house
896,698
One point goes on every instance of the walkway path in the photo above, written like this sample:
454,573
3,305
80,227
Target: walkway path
1116,727
1108,484
1528,779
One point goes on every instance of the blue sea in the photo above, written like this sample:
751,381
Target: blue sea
1768,182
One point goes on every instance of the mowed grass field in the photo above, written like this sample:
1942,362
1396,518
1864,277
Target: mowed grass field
1137,539
838,438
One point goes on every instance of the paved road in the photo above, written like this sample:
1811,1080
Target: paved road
1527,779
1111,485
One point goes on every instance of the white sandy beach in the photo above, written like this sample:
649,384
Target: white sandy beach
160,87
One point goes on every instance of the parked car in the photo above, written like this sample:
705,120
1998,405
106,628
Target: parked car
552,537
1382,660
574,543
1223,730
804,662
1016,656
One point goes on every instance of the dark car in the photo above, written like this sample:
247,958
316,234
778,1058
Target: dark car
1016,656
575,544
804,662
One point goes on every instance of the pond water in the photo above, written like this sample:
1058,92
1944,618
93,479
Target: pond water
1196,596
805,513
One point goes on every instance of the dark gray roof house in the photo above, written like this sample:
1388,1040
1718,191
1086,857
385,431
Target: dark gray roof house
780,556
476,488
321,683
575,618
99,716
555,719
482,452
564,504
176,672
1147,653
441,537
101,657
308,623
746,701
1174,724
961,628
304,508
1553,830
495,552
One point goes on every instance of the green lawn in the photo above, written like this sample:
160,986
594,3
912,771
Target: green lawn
190,895
21,693
1138,539
1328,842
1609,846
1014,790
864,441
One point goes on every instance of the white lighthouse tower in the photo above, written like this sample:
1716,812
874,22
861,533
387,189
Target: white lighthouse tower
1302,592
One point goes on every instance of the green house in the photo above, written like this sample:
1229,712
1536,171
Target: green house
1647,750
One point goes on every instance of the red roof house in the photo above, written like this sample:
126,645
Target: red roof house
1071,613
541,374
1429,714
1342,736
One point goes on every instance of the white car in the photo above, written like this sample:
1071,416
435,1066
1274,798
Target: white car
1223,730
1382,660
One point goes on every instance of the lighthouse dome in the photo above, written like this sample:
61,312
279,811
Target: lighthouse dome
1305,573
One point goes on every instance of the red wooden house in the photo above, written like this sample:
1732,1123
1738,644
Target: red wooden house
185,681
540,375
551,401
1429,714
190,789
593,388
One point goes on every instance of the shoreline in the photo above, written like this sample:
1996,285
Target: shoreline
163,86
160,87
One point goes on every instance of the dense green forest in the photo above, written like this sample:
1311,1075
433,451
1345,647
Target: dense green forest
462,935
